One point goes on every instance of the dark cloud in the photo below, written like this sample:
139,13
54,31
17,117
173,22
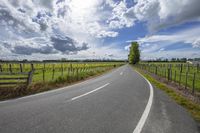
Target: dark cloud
42,18
59,1
6,45
45,3
6,17
27,50
67,45
111,55
55,44
21,10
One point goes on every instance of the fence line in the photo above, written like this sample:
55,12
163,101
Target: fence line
48,72
19,80
188,75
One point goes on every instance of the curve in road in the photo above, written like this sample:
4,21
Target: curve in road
115,102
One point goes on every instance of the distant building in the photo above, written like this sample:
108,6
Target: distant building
194,62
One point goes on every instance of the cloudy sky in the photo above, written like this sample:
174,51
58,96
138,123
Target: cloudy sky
97,29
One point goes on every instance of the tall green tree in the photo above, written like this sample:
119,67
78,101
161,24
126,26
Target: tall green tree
134,54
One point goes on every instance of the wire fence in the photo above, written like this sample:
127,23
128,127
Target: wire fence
47,72
185,75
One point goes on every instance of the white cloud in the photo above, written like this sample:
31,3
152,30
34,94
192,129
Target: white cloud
196,43
188,53
67,14
91,21
127,47
159,45
21,21
121,16
105,52
160,14
190,36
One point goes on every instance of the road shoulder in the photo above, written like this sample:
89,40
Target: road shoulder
166,108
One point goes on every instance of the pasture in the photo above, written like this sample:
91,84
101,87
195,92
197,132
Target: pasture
183,74
12,74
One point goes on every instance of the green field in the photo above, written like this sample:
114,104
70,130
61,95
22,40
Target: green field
46,76
184,74
55,72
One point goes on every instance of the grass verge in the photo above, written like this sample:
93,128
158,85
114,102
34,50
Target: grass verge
193,108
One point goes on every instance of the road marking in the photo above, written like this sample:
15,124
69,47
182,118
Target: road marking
57,90
146,112
90,92
121,73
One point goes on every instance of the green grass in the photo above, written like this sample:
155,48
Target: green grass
175,72
193,108
69,69
60,79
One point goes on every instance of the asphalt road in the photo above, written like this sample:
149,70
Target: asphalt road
120,101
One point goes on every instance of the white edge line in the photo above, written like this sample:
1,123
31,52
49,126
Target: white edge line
89,92
146,112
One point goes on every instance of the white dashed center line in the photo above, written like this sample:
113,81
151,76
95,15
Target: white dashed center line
89,92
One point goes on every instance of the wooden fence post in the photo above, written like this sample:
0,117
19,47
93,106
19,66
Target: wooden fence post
1,70
30,75
180,78
175,76
32,67
71,67
149,68
156,70
188,67
170,67
193,83
73,71
53,72
164,72
21,69
168,73
44,66
10,68
181,68
68,76
43,75
186,78
77,74
62,69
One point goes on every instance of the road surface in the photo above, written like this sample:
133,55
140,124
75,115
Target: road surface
121,101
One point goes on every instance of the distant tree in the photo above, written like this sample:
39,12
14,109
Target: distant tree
25,60
183,59
197,59
134,54
173,59
190,59
63,59
159,59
